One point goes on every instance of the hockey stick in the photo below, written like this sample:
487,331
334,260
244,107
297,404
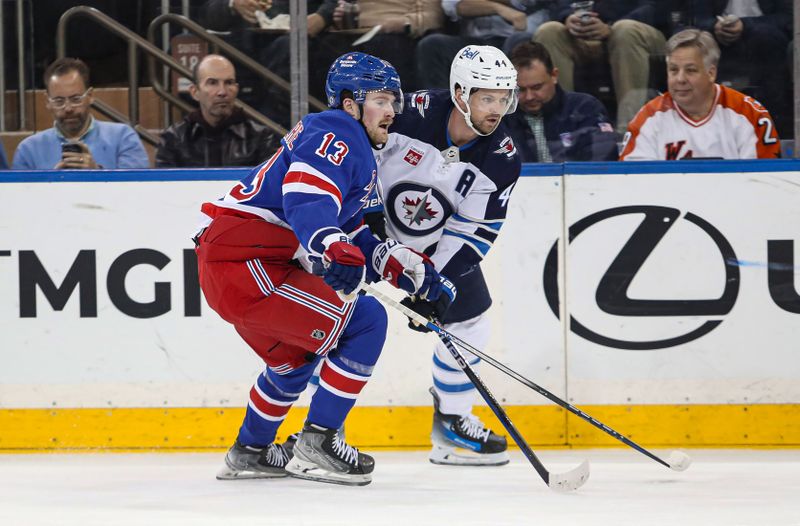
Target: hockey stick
569,481
678,460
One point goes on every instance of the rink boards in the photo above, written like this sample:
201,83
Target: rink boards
671,313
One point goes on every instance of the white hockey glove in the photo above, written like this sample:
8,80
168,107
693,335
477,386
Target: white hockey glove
406,269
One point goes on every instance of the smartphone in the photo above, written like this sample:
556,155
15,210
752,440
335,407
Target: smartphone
71,147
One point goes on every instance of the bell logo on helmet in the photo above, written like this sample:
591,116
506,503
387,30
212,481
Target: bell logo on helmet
469,53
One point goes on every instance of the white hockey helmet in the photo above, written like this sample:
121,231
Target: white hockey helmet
486,67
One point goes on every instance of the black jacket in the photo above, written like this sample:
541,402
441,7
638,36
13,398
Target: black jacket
651,12
777,15
237,141
577,128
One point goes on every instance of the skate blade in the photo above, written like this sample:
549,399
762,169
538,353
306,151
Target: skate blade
456,456
227,473
309,471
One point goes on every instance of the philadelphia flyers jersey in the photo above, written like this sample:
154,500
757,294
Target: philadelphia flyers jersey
452,211
737,127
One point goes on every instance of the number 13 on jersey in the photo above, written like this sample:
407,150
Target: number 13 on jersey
339,152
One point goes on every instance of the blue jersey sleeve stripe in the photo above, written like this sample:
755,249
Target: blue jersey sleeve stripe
488,235
480,246
493,224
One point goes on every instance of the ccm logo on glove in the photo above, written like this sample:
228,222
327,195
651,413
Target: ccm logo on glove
406,269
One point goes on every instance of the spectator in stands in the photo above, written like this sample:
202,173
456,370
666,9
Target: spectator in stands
698,118
403,23
3,158
217,134
271,48
624,32
482,22
754,37
551,124
77,140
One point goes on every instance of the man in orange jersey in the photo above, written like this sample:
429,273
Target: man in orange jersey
699,118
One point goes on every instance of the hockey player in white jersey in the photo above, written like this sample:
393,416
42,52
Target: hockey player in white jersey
445,178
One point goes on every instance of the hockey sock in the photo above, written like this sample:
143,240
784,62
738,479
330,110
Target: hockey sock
348,368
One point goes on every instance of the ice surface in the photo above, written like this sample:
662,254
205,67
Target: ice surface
722,487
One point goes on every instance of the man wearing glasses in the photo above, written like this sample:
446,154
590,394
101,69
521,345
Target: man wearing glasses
77,140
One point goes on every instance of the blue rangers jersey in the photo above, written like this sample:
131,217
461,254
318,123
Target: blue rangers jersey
470,200
316,184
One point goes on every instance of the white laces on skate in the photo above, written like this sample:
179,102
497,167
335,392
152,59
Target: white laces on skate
472,426
276,456
345,452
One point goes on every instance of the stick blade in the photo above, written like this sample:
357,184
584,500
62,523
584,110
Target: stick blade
571,480
679,461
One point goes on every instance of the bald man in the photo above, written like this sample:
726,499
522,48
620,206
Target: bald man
218,133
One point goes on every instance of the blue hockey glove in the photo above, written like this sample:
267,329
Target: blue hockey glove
344,266
434,307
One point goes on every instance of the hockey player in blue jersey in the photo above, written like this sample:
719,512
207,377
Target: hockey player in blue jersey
280,258
454,216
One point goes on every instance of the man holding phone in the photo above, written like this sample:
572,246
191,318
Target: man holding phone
77,140
625,33
754,37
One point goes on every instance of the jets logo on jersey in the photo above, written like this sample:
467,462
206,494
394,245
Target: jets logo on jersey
413,156
419,210
416,210
421,100
507,147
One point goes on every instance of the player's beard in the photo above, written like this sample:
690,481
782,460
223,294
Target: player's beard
485,126
377,135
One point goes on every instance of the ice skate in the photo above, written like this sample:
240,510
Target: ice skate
246,462
321,454
291,440
464,441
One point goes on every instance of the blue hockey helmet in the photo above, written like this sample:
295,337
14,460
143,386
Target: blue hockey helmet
360,74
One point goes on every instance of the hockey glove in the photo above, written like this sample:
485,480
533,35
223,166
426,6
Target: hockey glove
344,266
431,309
406,269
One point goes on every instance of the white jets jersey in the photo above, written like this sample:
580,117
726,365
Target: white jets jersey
438,207
737,127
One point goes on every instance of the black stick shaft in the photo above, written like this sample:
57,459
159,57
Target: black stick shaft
547,394
491,401
510,372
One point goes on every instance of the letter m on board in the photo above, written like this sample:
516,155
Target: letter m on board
32,274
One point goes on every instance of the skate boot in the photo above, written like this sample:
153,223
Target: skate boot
246,462
321,454
291,440
464,441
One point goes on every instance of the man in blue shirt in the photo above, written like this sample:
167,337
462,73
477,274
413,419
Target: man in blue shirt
3,159
76,139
